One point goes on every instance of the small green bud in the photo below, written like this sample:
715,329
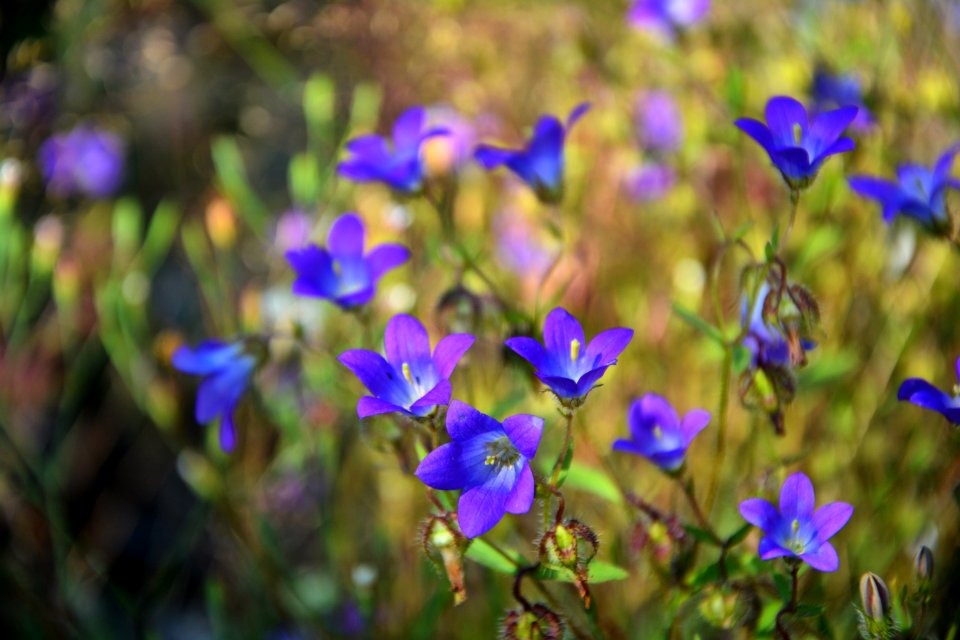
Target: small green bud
443,544
536,623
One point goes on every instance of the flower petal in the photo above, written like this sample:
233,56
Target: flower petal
449,350
587,380
823,559
886,192
524,432
652,407
758,131
607,345
563,387
830,518
406,341
480,509
228,432
796,498
385,257
375,373
492,157
315,275
759,513
577,113
219,393
441,469
793,162
545,155
407,128
521,498
345,238
439,395
463,421
560,329
692,424
369,406
827,127
782,113
207,357
840,146
528,349
768,549
941,169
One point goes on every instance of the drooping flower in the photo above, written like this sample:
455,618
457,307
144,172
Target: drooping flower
658,434
666,17
540,163
765,342
796,530
227,368
658,122
340,272
409,380
84,160
831,91
649,182
923,394
400,167
566,362
918,192
798,145
490,461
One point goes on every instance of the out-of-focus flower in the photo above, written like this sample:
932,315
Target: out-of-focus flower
227,369
84,160
796,530
341,272
798,145
649,182
565,362
658,121
540,163
667,16
918,192
923,394
766,344
831,91
875,596
400,167
658,434
518,247
490,461
450,152
409,380
293,230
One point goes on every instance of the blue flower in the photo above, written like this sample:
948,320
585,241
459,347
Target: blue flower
568,365
658,434
490,461
409,380
666,16
84,160
341,272
918,192
400,168
798,145
796,530
766,344
841,90
540,163
227,370
923,394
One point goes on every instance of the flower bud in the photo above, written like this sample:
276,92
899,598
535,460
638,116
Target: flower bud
536,623
570,545
923,565
875,596
443,544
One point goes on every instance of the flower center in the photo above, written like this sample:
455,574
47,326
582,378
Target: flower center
657,432
796,545
574,349
797,133
406,372
501,453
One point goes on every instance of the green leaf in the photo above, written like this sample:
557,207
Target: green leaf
598,571
482,552
810,610
319,100
784,588
160,235
741,231
594,481
127,232
232,176
699,324
304,179
701,535
741,358
738,536
420,449
565,467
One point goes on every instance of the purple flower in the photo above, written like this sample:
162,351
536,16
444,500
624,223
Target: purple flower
454,150
658,121
400,168
796,529
918,192
564,365
341,272
649,182
766,344
519,248
658,434
84,160
227,370
666,16
489,461
540,163
841,90
293,230
923,394
409,380
798,145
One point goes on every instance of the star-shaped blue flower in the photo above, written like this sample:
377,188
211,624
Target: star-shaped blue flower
923,394
490,461
918,192
796,530
566,362
540,163
409,380
341,272
227,370
666,16
798,145
658,434
400,167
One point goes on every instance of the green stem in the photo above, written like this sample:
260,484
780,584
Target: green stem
790,606
794,205
697,511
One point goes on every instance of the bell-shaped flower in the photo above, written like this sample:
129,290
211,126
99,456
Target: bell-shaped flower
409,380
340,272
540,163
923,394
796,530
489,461
565,362
798,144
227,369
918,192
657,432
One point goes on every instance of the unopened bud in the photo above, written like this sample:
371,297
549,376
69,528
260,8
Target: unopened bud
570,545
443,545
875,596
536,623
923,565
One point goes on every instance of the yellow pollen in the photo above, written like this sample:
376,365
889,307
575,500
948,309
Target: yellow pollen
490,460
657,432
406,372
797,133
574,349
795,525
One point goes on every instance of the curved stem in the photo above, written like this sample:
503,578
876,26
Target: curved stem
697,512
790,606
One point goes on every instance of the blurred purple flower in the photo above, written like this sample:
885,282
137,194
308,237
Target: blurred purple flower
658,121
649,182
490,461
667,16
458,143
568,365
766,344
831,91
409,380
84,160
797,145
796,530
341,272
293,230
227,370
540,163
918,192
658,434
400,168
518,248
923,394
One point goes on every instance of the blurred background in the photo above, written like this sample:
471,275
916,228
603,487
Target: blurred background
207,134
